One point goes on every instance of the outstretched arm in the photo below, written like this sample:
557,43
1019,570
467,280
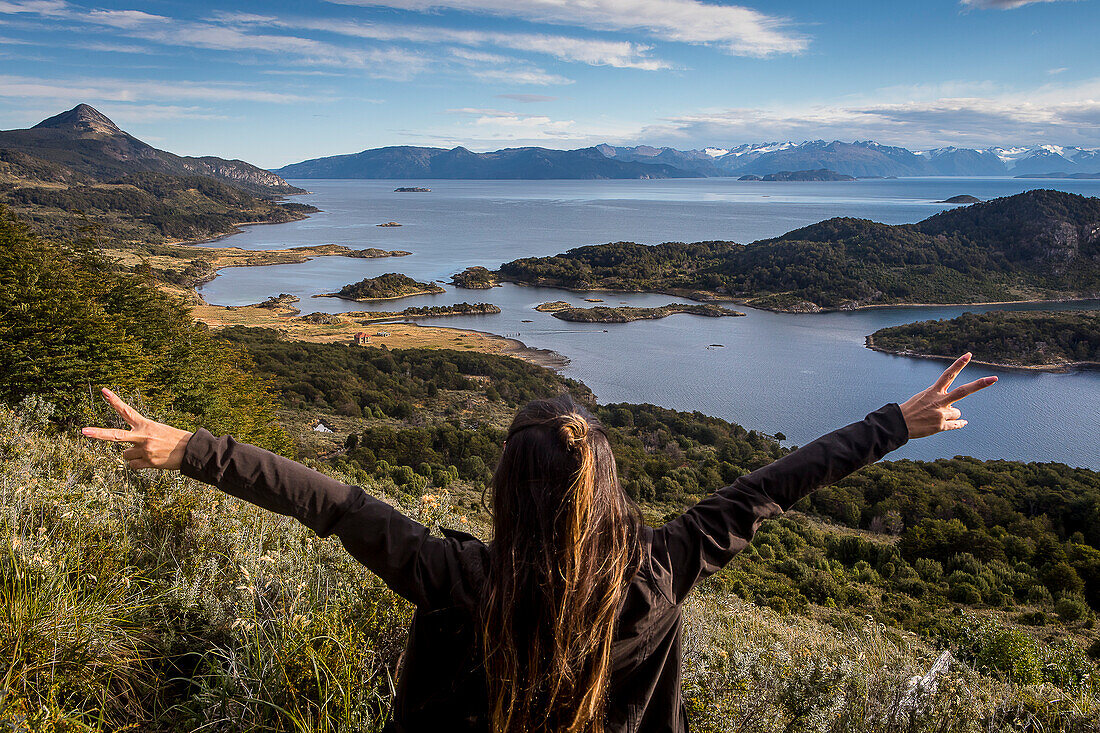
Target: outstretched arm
401,551
703,539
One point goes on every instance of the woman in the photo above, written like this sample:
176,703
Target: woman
569,620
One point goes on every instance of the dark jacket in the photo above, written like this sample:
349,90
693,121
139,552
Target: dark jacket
442,687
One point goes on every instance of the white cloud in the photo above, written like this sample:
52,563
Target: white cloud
738,30
527,98
36,7
131,90
1002,4
536,77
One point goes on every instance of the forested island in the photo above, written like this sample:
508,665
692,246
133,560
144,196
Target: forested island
475,278
429,311
1032,246
1033,339
183,602
387,286
625,314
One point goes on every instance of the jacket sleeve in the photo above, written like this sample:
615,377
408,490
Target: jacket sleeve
703,539
422,568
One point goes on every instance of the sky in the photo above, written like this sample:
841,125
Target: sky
277,82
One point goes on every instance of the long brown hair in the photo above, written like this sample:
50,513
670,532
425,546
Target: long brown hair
564,549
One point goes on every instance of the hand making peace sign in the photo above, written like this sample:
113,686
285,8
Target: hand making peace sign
155,445
931,411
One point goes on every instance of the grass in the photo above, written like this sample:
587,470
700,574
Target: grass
145,601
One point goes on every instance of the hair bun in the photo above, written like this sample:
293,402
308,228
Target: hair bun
573,430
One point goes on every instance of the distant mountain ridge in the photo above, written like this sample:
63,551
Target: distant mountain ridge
85,141
860,158
405,162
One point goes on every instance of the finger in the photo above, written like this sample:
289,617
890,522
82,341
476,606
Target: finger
139,463
132,452
968,389
951,372
949,413
115,436
954,424
129,414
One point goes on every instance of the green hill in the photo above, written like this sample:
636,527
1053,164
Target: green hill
1039,244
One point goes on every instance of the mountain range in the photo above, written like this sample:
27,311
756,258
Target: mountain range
82,145
860,158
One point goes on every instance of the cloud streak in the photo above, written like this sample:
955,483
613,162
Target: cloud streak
737,30
1003,4
592,51
1065,115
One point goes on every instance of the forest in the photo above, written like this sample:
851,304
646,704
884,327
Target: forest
1023,338
1013,248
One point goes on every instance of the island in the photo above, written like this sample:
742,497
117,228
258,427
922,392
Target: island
963,199
475,278
388,286
388,224
1034,246
412,189
1063,174
427,311
553,305
820,174
1050,340
626,314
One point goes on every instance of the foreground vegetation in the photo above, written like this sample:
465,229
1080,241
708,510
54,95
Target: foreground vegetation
1016,248
1026,338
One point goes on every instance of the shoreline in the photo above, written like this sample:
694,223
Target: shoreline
1060,368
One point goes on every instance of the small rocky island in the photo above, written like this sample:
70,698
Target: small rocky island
389,286
553,306
412,189
388,224
475,278
626,314
1051,340
963,199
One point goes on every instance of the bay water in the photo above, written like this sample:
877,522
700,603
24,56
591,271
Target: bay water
799,374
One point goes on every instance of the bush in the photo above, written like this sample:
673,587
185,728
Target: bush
1071,608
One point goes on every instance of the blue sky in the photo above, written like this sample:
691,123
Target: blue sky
276,82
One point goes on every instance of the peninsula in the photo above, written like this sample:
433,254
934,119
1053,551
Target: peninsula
1051,340
626,314
388,286
1038,245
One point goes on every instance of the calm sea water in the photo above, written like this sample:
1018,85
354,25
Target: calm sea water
802,375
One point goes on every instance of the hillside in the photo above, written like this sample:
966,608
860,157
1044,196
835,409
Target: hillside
78,175
144,601
1051,339
1039,244
403,162
85,141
